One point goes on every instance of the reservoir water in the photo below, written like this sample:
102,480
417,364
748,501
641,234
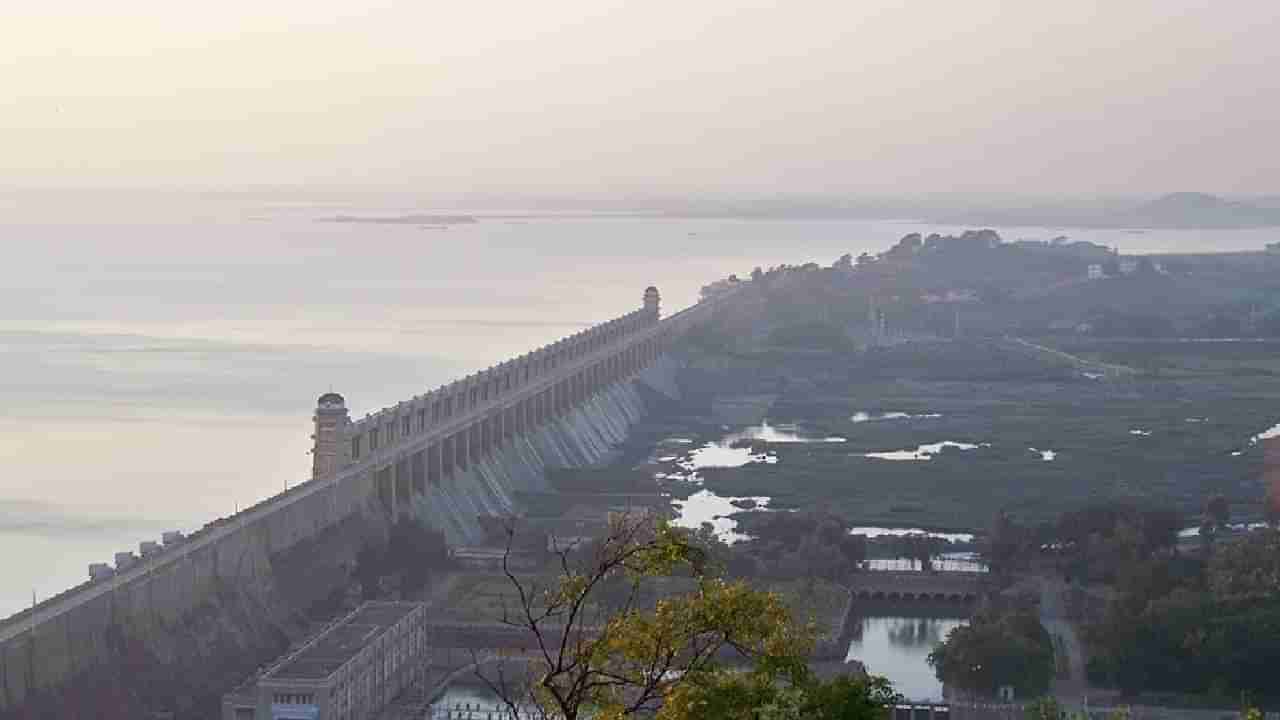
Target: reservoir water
897,647
161,353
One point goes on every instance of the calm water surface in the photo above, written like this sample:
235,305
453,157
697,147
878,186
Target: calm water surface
896,647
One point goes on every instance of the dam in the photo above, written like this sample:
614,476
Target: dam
445,458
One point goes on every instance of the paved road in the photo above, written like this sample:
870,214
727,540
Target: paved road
1071,683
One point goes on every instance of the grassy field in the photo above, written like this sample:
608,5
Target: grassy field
1172,434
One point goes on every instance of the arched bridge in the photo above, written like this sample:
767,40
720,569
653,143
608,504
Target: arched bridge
909,586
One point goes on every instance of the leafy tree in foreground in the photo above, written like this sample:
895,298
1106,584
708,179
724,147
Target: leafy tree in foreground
719,650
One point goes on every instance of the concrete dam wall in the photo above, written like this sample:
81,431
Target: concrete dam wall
240,586
585,436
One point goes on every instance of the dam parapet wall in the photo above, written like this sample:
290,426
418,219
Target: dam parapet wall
444,458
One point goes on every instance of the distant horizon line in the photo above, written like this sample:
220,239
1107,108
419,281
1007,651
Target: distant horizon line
634,194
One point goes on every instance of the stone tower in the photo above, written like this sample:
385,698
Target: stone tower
651,303
331,418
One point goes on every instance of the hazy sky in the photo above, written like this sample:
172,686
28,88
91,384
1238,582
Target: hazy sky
605,95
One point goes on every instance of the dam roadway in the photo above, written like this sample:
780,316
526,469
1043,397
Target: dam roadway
419,453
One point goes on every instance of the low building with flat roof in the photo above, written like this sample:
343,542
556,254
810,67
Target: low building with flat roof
348,671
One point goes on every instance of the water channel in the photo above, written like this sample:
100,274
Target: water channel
897,647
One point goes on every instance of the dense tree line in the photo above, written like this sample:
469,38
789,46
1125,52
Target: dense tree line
798,545
1204,620
1195,624
1096,543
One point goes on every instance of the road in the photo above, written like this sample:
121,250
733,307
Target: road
1106,368
1070,685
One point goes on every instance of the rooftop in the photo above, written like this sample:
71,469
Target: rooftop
337,645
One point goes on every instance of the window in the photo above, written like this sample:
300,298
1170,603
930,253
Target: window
404,425
373,439
355,447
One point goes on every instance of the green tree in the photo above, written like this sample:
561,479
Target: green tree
921,548
1045,708
1271,506
627,657
414,551
1249,569
1191,624
1208,533
997,649
736,696
1218,510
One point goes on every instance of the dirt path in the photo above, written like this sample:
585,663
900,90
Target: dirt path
1107,369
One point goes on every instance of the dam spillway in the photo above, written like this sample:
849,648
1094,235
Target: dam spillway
445,458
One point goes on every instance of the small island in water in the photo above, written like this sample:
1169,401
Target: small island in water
416,219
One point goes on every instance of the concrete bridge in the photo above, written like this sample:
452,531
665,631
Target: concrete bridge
896,586
371,469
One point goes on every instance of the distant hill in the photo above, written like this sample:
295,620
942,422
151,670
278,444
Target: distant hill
1194,209
1175,210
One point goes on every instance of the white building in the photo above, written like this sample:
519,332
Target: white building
350,671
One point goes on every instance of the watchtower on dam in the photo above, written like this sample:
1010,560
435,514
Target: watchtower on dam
443,458
427,439
331,421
